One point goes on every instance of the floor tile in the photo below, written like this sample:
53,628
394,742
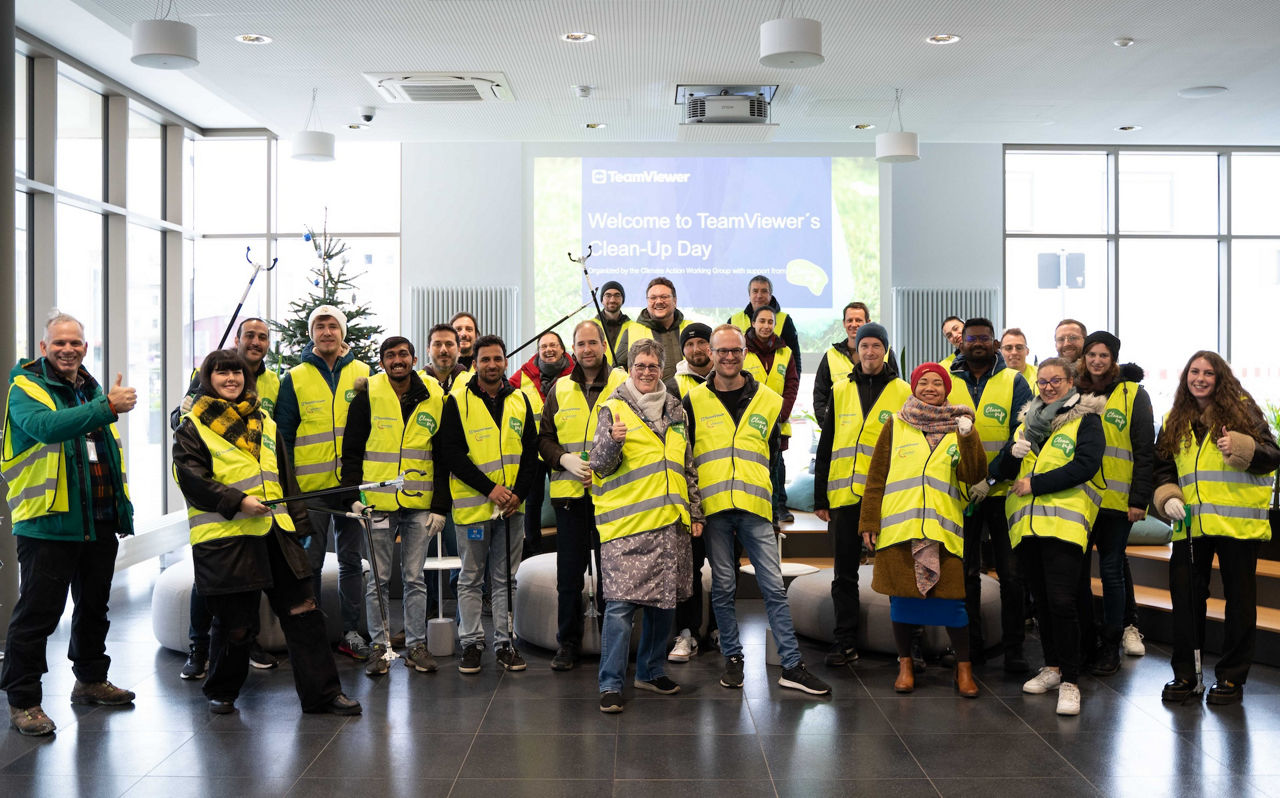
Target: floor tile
76,785
860,716
403,785
843,756
1147,752
710,756
856,788
1020,787
710,788
1233,785
1250,752
532,788
950,714
979,755
83,751
379,754
269,754
547,716
170,786
509,756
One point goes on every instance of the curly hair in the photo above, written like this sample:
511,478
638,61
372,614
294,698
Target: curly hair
1230,406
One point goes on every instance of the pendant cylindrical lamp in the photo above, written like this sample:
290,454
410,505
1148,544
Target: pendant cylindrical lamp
897,147
791,43
313,145
164,44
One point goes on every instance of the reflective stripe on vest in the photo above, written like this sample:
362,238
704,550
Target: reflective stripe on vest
394,446
1223,501
530,390
576,428
322,419
921,493
648,491
1067,514
236,468
733,462
776,379
1117,458
36,476
855,437
496,452
991,416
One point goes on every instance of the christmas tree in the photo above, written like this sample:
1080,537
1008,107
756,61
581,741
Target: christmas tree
333,287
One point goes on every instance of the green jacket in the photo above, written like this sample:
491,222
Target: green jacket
78,413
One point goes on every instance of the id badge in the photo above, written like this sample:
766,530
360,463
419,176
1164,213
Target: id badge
92,450
475,533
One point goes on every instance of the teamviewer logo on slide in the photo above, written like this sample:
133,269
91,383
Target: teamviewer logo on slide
599,176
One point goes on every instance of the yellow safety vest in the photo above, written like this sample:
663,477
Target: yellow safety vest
840,366
37,476
535,399
776,378
639,331
1223,501
268,389
236,468
686,383
922,499
323,419
992,420
1067,514
604,337
394,447
648,491
742,321
576,428
1030,373
1117,458
947,361
496,452
733,462
854,439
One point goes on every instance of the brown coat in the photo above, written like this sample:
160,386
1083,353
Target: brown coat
894,572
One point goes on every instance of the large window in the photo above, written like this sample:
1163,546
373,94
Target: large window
79,146
146,445
80,285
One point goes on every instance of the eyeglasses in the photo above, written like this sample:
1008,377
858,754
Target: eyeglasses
728,352
1055,382
1014,347
660,297
1065,338
978,339
645,367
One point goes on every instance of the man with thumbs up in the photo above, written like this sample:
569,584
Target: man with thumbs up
64,470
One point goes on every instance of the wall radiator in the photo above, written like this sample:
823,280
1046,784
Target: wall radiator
918,315
496,308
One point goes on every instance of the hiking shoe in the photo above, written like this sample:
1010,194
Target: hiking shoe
732,676
509,658
1044,681
1131,641
799,678
840,656
566,657
32,722
262,659
420,659
471,659
1068,699
102,693
338,705
353,645
686,648
378,665
661,685
611,702
196,666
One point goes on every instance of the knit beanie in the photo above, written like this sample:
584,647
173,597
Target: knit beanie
1105,338
871,330
328,310
616,286
695,330
926,368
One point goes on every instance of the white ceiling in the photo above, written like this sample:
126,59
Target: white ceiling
1033,71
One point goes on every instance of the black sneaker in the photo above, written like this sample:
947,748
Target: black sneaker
1015,661
661,685
471,659
196,666
840,656
509,658
566,657
611,702
262,659
377,664
799,678
732,676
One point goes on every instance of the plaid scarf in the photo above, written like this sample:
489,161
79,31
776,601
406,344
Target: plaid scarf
240,423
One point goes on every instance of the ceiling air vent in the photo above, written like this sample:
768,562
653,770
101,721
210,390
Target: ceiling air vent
441,87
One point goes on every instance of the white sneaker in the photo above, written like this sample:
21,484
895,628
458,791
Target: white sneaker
1044,681
1131,640
1068,699
684,649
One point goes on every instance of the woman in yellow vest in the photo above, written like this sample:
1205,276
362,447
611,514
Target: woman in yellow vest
1056,456
773,364
1215,458
227,463
913,515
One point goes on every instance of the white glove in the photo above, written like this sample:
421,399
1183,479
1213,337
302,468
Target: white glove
979,490
1020,448
358,507
187,402
1175,509
435,523
575,465
964,425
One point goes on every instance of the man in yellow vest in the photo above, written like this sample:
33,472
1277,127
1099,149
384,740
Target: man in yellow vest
733,426
311,416
488,443
760,295
68,502
534,379
695,344
442,358
981,380
390,426
611,317
661,320
1013,347
568,426
464,324
861,403
840,359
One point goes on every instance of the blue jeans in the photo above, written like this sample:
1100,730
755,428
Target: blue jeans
758,541
348,538
615,643
493,543
1111,535
411,525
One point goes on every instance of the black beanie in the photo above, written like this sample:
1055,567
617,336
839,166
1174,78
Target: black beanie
695,330
617,286
1105,338
871,330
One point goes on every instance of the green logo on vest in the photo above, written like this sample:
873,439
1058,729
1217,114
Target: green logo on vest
425,419
350,394
758,423
518,426
781,368
678,428
885,415
1116,418
268,442
1064,443
953,452
996,412
269,407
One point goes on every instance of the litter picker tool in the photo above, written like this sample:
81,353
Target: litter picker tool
397,483
582,261
257,267
366,521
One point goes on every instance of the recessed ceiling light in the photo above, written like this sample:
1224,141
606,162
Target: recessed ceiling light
253,38
595,125
942,38
862,126
1123,41
577,37
1198,92
1129,128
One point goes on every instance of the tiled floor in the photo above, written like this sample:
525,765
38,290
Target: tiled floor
539,733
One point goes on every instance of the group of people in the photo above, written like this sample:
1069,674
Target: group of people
661,442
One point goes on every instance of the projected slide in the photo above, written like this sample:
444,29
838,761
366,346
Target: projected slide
709,224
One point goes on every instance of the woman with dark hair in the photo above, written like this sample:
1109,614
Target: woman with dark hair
1214,461
228,465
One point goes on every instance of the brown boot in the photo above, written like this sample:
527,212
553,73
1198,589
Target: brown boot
906,681
965,685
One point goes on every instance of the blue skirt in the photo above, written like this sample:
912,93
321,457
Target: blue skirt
928,611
